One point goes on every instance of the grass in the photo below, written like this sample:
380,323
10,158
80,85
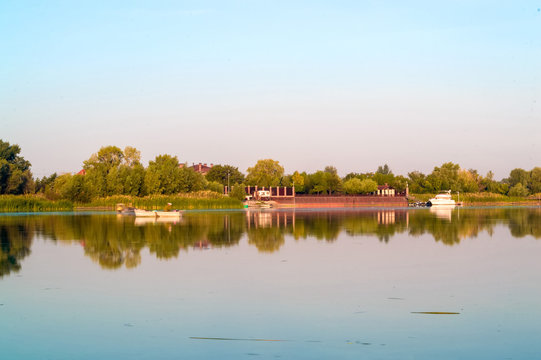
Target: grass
473,198
32,203
199,200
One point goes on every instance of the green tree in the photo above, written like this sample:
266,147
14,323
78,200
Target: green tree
417,182
215,186
444,178
219,173
238,192
384,170
353,186
334,183
15,175
318,182
518,176
163,175
266,172
518,190
77,189
298,181
102,170
535,180
368,186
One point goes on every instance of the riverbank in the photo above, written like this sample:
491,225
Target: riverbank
197,201
484,199
32,203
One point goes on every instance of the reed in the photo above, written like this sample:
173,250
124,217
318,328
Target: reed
201,200
32,203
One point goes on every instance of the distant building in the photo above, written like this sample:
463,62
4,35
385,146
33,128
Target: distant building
200,168
385,190
82,172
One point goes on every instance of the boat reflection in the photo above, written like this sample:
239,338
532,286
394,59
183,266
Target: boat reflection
115,242
443,212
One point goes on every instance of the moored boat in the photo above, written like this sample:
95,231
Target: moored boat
169,214
443,199
144,213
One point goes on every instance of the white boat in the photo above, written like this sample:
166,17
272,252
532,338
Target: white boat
169,214
144,213
442,199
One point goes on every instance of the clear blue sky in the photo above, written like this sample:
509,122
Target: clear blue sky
354,84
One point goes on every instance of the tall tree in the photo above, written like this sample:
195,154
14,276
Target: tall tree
163,175
102,170
384,170
221,173
518,176
535,180
15,175
266,172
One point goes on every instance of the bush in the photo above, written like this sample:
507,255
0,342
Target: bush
518,190
238,192
216,187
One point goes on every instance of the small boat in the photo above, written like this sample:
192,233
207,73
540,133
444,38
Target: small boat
125,210
145,213
169,214
442,199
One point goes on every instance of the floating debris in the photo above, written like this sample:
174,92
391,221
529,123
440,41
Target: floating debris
435,312
128,325
230,339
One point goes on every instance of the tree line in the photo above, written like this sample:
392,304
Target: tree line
113,171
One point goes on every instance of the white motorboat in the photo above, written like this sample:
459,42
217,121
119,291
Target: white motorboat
442,199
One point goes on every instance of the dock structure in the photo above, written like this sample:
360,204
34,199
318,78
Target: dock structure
270,192
284,196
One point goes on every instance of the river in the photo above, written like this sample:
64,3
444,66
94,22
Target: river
270,284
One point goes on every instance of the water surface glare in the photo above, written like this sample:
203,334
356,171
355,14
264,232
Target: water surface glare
346,284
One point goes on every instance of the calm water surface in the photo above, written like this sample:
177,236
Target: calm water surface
345,284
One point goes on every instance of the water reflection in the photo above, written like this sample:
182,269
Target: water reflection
116,241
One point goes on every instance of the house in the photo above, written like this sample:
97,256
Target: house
385,190
200,168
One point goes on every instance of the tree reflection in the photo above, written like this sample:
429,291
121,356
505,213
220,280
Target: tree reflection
117,241
15,242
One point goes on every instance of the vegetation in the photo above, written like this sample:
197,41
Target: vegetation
266,172
32,203
115,172
226,175
199,200
15,175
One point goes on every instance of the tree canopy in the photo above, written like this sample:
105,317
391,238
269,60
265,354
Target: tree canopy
220,174
15,175
265,172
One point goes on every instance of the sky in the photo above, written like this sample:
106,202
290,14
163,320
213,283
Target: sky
353,84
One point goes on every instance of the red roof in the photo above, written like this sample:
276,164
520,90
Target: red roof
201,168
